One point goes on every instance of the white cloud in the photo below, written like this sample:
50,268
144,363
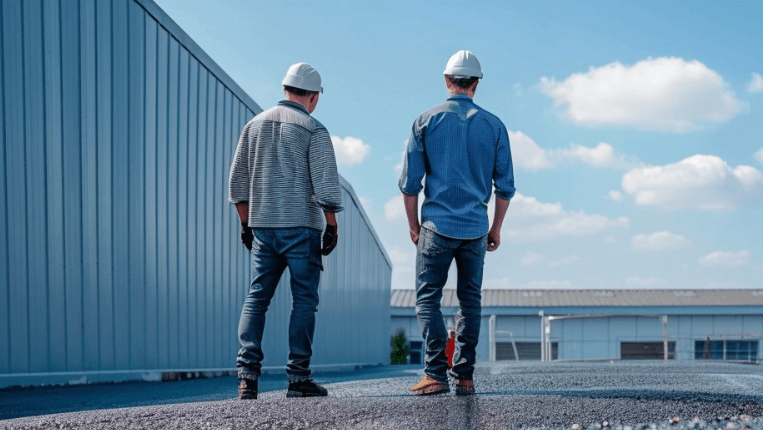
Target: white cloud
639,282
394,209
662,94
532,258
659,241
529,220
704,182
725,259
602,155
756,84
615,196
528,155
759,155
349,150
404,266
399,166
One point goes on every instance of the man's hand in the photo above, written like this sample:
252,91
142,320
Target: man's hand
415,234
493,240
247,236
330,238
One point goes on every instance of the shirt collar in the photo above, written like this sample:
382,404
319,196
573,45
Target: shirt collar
294,105
460,97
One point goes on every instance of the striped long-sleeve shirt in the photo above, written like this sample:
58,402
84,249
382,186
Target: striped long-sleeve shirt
463,150
284,166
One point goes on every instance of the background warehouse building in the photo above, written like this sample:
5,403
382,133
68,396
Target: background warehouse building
599,324
119,254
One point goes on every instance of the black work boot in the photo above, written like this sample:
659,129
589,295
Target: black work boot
247,389
306,389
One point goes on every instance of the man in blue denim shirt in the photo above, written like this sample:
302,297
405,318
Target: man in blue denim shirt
462,151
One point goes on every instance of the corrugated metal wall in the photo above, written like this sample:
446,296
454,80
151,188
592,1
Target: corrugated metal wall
118,250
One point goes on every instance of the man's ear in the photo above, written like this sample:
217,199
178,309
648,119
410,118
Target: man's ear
474,86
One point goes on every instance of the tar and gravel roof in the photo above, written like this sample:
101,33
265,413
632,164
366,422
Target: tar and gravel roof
566,298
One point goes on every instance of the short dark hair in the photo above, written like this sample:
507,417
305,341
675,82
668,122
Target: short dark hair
299,91
463,82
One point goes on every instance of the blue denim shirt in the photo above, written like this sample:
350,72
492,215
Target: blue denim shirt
463,150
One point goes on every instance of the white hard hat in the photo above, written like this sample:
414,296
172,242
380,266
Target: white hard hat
304,77
463,63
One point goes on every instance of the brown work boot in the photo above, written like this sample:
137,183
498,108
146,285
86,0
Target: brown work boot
429,385
247,389
464,387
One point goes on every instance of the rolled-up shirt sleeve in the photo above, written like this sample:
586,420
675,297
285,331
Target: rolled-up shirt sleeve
240,172
503,171
323,172
414,166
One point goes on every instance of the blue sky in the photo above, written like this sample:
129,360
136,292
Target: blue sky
636,127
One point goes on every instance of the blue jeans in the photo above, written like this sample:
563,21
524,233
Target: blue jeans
274,250
434,255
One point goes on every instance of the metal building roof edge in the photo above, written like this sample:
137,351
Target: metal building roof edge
195,50
351,191
539,299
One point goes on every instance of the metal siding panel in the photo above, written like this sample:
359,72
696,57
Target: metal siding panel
162,303
16,185
88,121
229,230
5,324
200,211
727,325
217,203
193,281
120,205
182,219
208,145
136,185
752,324
172,204
105,222
648,328
35,145
595,329
151,221
72,164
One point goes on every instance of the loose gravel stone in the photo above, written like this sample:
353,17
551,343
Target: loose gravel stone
570,396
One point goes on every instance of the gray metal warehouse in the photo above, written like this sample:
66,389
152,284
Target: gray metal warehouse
119,254
602,324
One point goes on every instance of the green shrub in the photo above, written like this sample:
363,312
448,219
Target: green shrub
399,348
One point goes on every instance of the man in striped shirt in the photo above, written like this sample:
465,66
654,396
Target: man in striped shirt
463,151
284,182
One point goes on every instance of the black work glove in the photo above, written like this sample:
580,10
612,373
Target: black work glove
330,237
246,235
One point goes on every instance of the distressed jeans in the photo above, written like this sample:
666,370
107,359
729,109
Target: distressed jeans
273,250
434,255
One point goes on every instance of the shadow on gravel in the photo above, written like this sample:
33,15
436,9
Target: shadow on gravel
31,401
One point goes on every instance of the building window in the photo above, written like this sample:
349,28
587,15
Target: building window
525,351
414,352
646,350
741,350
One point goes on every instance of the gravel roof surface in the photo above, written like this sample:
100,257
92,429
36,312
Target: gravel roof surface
575,396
